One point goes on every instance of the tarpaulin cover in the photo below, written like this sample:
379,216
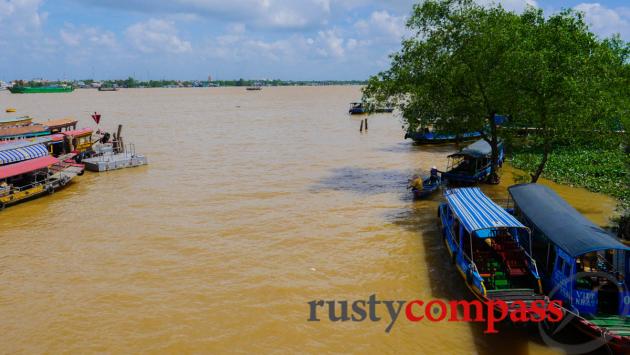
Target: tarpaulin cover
561,223
19,151
26,166
476,211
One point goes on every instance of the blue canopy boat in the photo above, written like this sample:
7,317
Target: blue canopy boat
471,164
428,137
486,244
581,264
357,108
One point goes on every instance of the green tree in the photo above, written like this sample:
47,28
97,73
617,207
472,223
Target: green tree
451,73
568,84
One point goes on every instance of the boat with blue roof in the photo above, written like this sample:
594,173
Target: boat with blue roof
472,164
581,264
488,247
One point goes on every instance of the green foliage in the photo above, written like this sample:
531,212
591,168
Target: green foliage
599,170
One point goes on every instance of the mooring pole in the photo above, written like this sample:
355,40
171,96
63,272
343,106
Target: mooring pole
366,124
361,129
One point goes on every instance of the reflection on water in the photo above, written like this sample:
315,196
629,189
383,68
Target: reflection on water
253,205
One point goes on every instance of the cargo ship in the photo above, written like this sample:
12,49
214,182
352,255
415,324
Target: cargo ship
40,89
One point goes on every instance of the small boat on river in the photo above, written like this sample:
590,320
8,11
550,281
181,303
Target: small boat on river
424,187
581,264
357,108
472,164
489,248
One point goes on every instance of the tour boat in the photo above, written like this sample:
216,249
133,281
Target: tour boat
489,247
472,164
581,264
28,171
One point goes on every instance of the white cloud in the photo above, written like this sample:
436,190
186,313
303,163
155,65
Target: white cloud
21,17
156,36
513,5
605,21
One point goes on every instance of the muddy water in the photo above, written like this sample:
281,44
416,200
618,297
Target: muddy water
254,203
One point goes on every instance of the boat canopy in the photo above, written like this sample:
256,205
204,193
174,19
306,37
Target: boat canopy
78,132
479,149
26,166
477,212
562,224
32,130
20,151
14,119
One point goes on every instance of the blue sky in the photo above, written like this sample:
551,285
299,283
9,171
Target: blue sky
228,39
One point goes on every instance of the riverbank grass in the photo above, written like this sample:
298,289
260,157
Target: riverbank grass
598,170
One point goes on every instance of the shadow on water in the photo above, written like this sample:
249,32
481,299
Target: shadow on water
365,181
406,147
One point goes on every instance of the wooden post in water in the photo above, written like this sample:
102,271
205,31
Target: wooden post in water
121,146
366,124
361,129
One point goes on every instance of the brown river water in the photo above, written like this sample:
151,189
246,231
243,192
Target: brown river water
253,204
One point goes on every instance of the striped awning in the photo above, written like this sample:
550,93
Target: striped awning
28,152
476,211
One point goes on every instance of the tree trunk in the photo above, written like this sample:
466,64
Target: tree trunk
494,144
541,166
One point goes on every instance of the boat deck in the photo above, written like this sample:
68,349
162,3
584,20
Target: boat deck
108,162
614,323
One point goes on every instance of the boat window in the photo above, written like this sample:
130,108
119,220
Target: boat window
567,269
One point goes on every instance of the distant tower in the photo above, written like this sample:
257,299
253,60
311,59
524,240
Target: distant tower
209,78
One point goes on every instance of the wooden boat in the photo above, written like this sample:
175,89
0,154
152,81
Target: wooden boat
15,121
254,88
61,124
429,137
357,108
471,164
107,88
23,132
33,178
80,140
425,188
580,264
487,245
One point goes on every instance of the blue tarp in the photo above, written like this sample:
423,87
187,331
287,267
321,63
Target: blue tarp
562,224
26,152
476,211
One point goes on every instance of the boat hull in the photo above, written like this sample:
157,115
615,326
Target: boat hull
40,90
431,138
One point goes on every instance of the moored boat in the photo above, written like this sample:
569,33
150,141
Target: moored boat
472,164
430,137
357,108
32,178
487,246
23,132
40,89
15,121
580,264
